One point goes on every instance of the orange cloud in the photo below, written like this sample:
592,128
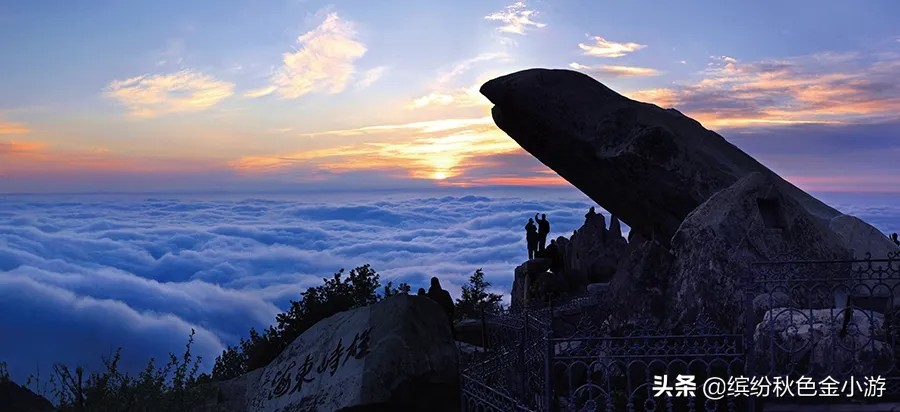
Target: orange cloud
13,128
14,148
616,71
181,92
823,88
37,158
514,181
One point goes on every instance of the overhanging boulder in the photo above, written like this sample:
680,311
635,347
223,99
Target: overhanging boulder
647,165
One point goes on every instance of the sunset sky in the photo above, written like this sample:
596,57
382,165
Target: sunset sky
227,95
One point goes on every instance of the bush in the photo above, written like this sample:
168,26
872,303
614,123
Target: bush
175,387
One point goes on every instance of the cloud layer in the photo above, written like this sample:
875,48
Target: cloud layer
80,276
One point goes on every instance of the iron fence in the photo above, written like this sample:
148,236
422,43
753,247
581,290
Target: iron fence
810,319
826,321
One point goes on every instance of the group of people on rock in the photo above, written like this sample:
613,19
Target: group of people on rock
536,235
536,231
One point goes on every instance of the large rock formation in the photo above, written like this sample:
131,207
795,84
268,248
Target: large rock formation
397,354
752,220
649,166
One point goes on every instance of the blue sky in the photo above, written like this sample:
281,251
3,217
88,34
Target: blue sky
121,96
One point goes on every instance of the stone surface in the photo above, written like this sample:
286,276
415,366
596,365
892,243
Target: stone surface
397,354
811,339
649,166
641,283
593,252
597,288
469,331
862,238
14,397
526,275
717,241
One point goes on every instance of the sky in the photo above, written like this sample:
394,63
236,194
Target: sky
230,95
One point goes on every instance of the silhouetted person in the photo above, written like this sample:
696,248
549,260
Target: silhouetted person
894,238
442,297
590,214
421,292
543,230
531,238
553,254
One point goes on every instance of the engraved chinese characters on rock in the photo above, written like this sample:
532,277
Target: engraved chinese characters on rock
282,381
330,362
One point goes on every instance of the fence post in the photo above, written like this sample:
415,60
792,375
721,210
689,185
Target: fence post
523,371
749,329
548,362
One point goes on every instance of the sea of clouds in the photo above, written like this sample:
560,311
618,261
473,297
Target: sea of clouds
83,275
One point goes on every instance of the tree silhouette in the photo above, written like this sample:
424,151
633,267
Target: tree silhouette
475,298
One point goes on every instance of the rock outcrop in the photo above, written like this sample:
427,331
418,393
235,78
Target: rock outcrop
14,397
590,256
397,354
861,238
594,251
753,220
649,166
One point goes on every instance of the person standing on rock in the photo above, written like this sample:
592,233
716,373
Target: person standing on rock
531,238
894,238
543,231
443,298
554,256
